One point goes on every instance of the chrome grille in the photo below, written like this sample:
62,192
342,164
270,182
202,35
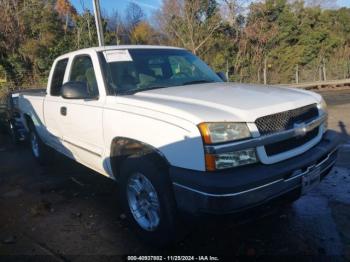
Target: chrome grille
285,120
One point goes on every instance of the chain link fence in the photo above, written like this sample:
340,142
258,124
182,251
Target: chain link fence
294,74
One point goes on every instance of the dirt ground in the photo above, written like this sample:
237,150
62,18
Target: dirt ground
70,213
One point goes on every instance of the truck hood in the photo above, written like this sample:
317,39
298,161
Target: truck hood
222,101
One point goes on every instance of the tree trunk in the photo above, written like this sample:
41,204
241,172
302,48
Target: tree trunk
90,36
265,71
324,71
227,77
344,71
297,74
66,24
78,38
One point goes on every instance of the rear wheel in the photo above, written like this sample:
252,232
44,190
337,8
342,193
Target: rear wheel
13,133
40,151
148,200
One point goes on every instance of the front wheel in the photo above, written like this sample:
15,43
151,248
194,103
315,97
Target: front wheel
40,151
143,201
148,200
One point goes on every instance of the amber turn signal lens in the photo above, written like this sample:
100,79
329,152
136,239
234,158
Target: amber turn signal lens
203,128
210,164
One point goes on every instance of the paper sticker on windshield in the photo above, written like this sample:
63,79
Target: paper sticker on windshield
117,56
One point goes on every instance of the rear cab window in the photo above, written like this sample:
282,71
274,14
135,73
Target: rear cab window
57,77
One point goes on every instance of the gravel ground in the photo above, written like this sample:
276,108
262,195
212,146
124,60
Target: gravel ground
72,214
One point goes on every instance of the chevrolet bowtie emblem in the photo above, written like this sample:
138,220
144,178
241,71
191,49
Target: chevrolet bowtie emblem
300,129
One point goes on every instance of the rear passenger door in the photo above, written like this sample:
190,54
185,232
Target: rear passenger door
82,123
52,104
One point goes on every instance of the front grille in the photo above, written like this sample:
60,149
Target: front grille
289,144
285,120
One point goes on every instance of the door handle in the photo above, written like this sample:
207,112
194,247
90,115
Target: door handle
63,110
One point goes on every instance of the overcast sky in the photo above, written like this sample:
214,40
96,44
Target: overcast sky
149,5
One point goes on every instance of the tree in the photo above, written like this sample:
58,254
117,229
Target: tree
142,34
190,24
261,31
116,28
268,37
85,30
66,11
134,15
31,29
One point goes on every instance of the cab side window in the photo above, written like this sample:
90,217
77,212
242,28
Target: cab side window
83,71
57,77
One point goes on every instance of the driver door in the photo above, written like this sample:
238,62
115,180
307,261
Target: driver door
82,131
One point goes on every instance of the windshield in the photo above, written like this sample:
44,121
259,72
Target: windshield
134,70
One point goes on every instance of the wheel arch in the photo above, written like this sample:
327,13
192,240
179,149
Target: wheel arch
123,147
28,122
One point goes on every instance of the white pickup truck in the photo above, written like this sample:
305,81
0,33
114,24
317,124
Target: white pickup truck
175,135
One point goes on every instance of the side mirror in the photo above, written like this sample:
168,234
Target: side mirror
222,75
76,90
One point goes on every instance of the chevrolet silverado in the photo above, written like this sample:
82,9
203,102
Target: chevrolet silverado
175,135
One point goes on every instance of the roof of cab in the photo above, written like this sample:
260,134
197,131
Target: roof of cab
104,48
113,47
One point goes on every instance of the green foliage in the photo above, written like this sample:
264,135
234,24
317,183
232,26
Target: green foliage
85,31
288,34
276,35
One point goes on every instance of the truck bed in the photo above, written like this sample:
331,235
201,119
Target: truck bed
31,103
33,92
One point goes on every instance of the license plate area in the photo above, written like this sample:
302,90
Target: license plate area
310,179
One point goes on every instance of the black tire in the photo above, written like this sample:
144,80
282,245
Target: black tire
13,133
43,154
168,229
3,127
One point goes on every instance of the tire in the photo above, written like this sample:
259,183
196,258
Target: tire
43,154
13,133
153,178
3,127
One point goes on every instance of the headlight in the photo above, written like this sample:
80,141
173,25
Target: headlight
213,133
223,132
228,160
322,107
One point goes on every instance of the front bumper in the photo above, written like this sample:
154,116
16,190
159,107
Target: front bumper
241,188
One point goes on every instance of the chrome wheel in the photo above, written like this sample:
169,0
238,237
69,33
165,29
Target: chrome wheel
12,131
143,201
11,128
35,144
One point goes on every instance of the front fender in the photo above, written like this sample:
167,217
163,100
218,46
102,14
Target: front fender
180,143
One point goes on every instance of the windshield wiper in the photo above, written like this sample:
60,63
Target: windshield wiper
136,90
197,82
